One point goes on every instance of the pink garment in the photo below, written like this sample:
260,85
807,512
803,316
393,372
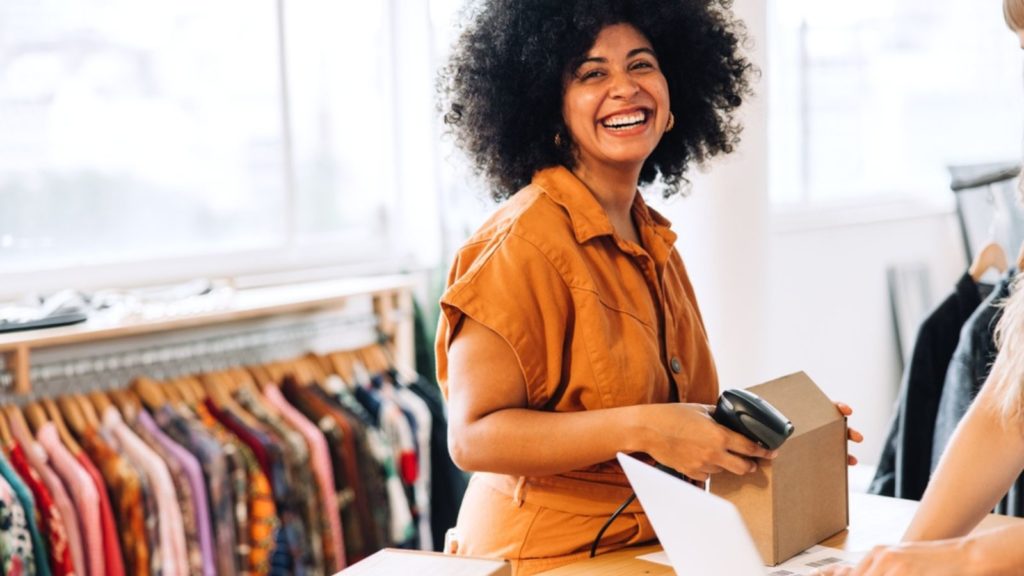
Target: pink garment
174,559
114,560
37,459
321,463
83,493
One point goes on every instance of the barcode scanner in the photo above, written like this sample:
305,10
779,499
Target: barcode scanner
740,411
748,414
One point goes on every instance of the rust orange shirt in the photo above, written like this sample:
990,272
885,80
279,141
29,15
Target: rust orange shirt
594,321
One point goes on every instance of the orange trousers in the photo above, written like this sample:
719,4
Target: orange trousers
497,522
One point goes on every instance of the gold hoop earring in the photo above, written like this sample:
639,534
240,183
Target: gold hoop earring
671,122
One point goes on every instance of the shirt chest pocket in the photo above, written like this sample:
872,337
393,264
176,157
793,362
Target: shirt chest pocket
623,352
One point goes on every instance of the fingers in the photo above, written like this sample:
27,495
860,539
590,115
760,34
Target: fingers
737,464
699,476
871,563
852,434
831,571
740,444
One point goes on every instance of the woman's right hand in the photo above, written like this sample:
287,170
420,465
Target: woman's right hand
685,438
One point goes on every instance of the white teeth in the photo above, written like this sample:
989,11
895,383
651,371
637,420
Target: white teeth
625,120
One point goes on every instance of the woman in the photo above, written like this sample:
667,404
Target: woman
569,329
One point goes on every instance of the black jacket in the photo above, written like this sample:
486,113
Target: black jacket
906,458
971,363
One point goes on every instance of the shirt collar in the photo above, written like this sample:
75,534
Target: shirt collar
588,218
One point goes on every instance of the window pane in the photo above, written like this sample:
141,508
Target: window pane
877,97
341,110
131,130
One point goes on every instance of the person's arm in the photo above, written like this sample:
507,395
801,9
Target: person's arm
995,552
491,429
982,460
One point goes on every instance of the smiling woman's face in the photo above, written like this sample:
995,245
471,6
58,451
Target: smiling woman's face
616,101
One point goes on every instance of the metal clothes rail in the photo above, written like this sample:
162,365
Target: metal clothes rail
247,334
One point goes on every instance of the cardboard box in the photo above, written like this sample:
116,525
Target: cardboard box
801,497
392,561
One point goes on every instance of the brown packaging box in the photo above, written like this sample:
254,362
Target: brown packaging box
392,561
800,498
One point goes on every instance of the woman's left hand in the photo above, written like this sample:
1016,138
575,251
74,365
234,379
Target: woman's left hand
852,434
941,558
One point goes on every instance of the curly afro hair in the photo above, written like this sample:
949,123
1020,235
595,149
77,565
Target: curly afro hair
501,91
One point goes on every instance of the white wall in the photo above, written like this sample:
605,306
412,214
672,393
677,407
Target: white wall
828,308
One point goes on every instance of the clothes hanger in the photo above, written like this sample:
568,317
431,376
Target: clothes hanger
278,371
361,375
367,356
101,401
72,414
315,367
198,391
171,392
303,371
323,364
127,402
17,423
216,386
244,381
991,256
149,392
260,375
408,374
92,419
62,429
36,416
6,438
287,368
187,391
342,363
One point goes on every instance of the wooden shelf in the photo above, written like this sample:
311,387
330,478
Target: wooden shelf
247,304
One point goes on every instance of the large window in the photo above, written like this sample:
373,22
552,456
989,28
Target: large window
134,132
871,100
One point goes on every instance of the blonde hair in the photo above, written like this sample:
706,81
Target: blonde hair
1007,376
1013,13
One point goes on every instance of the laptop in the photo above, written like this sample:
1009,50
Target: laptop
704,535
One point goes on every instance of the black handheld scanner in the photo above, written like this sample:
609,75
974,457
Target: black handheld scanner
752,416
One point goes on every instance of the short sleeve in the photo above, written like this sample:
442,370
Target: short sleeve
513,289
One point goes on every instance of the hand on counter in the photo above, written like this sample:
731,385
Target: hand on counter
940,558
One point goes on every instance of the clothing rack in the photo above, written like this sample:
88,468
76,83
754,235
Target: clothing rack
252,346
246,331
986,205
201,377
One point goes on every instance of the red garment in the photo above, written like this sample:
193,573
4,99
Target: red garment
113,560
409,465
244,435
51,526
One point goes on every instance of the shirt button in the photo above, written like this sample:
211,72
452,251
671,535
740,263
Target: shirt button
677,366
